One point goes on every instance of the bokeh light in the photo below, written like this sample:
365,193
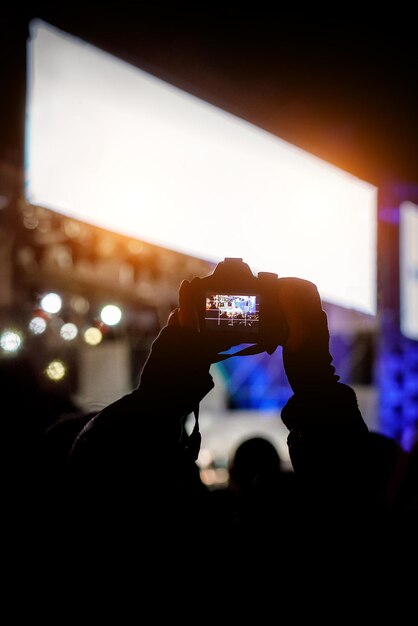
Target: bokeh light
69,331
93,336
11,340
111,315
79,304
211,477
37,325
205,458
51,303
55,370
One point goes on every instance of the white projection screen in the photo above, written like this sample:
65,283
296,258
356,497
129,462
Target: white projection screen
116,147
408,269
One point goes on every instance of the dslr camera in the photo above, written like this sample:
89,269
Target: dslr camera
234,306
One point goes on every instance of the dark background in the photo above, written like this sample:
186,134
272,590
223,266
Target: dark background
345,90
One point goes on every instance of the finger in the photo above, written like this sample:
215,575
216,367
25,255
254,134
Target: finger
187,313
301,306
173,318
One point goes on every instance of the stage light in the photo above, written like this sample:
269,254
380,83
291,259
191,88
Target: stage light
55,370
37,325
93,336
69,331
11,340
205,458
80,305
51,303
111,315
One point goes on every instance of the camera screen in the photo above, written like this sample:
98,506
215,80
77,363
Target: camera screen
232,312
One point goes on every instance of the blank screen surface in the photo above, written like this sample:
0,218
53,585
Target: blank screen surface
118,148
408,269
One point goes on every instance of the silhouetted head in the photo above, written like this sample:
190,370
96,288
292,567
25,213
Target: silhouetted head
256,461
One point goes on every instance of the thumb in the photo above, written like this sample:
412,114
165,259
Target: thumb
186,312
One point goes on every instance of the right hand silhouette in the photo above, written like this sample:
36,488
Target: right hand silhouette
306,355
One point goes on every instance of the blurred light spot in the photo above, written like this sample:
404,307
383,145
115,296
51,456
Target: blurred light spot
208,476
56,370
144,288
69,331
126,274
135,247
31,222
93,336
63,256
51,303
106,247
26,257
11,340
211,477
111,314
71,229
80,305
205,458
37,325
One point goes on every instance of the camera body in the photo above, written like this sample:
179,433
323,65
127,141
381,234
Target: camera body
234,306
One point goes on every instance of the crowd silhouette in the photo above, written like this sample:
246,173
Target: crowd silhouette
97,488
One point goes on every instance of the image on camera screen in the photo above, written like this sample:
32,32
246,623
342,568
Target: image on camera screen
232,312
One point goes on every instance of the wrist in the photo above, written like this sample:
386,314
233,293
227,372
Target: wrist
330,405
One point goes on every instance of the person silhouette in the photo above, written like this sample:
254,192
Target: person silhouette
260,494
132,468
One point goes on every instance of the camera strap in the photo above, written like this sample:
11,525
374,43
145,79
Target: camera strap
254,349
195,438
